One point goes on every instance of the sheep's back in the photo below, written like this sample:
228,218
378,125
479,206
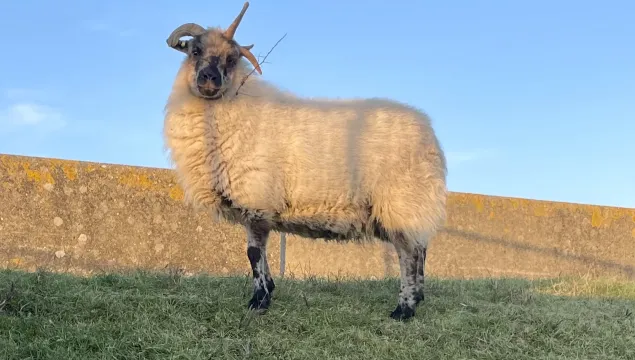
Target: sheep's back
336,156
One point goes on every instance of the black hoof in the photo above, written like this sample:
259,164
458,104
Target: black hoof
402,313
260,301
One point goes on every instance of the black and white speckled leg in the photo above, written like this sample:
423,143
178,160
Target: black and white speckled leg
257,237
408,291
420,259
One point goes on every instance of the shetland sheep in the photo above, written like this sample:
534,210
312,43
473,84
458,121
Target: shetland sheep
344,170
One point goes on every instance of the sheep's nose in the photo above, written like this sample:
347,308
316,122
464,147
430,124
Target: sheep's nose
211,74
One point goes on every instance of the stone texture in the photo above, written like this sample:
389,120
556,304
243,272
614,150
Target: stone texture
82,218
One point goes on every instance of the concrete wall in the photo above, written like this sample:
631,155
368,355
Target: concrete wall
84,217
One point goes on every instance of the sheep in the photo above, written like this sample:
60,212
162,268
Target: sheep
251,154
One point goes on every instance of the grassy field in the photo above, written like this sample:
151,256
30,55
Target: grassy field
166,316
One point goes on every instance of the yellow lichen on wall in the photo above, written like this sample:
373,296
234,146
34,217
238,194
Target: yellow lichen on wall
604,217
69,171
135,180
478,203
9,165
143,182
596,218
37,176
176,193
62,163
15,261
540,210
515,203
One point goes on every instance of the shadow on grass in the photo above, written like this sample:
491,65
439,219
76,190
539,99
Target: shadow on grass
167,315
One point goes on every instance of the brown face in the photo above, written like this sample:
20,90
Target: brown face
213,61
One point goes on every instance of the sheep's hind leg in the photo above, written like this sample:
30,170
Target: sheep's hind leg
257,236
407,303
420,259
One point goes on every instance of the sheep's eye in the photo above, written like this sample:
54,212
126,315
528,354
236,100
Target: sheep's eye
231,61
196,51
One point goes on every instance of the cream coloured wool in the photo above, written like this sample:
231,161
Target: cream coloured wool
254,155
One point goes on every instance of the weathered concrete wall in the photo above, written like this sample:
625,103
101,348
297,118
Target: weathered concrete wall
85,217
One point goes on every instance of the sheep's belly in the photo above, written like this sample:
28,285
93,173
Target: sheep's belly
346,225
327,230
309,231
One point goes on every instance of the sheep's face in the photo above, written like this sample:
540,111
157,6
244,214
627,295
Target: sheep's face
212,57
211,62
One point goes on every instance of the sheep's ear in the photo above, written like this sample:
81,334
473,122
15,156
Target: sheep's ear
182,46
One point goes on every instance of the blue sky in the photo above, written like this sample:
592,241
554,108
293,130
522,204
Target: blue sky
531,99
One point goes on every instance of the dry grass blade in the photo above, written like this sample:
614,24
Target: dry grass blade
260,63
8,297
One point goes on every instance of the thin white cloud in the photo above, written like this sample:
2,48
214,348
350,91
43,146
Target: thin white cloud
32,114
27,108
456,158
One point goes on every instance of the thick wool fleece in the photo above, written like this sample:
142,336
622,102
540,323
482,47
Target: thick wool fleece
307,165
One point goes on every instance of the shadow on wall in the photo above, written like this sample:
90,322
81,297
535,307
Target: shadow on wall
520,248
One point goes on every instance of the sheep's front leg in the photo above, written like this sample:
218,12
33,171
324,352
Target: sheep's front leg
257,236
408,290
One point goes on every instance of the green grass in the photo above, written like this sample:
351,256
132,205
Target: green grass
164,316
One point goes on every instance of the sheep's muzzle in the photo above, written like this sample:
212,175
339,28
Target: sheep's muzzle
209,80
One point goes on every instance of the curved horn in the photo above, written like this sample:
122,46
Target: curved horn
189,29
231,30
244,51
